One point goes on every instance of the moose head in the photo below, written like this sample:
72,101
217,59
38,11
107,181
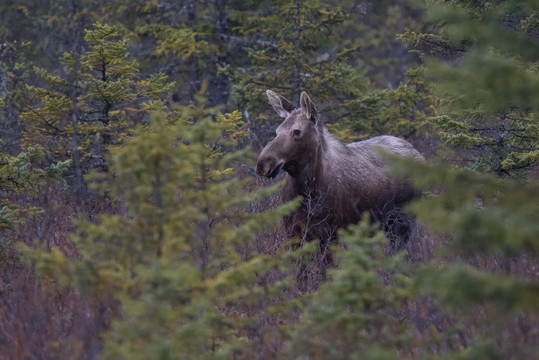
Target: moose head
297,141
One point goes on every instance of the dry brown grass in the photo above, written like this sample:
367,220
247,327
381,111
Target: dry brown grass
38,318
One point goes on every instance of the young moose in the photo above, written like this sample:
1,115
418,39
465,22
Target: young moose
338,182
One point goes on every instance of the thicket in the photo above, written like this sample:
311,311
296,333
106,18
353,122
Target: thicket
133,226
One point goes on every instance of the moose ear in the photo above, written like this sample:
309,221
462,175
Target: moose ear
282,106
307,106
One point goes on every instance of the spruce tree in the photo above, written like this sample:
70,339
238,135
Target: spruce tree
481,278
178,263
356,315
95,103
291,47
334,52
488,225
489,112
23,175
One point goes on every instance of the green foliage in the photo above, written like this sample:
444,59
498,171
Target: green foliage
297,33
14,71
489,97
96,103
431,44
171,41
485,219
234,128
22,174
355,315
315,46
178,261
486,215
402,111
291,48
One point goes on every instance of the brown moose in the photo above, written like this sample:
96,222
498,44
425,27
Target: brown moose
338,182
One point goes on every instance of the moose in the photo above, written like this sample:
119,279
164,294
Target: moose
338,182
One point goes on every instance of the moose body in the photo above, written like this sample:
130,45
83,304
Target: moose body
338,182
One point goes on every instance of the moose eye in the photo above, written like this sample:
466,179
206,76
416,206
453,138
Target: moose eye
297,132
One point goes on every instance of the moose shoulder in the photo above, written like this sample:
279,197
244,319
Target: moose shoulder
338,182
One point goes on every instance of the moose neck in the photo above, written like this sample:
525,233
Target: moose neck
304,182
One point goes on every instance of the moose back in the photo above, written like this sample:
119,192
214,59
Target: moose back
338,182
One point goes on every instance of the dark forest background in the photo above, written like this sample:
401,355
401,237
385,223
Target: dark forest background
132,224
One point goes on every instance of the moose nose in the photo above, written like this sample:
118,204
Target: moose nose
262,167
265,165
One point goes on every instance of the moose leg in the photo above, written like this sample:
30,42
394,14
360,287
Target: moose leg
324,249
312,272
323,259
399,227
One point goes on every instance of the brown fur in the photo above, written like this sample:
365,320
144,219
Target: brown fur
338,182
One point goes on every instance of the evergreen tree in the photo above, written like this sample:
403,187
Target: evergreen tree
13,70
21,174
402,112
291,47
490,107
21,170
482,278
187,40
48,28
178,261
356,315
332,52
94,104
